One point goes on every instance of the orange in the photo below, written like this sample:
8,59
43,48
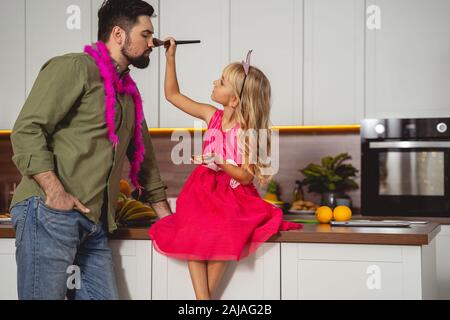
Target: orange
323,227
125,188
324,214
342,213
271,197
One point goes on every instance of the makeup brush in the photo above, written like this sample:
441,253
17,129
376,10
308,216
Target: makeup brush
166,43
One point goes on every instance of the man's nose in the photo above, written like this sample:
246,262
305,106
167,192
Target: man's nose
150,43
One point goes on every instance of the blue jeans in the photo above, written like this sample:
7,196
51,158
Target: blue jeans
61,250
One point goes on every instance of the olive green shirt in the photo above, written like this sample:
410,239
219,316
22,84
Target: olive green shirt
61,127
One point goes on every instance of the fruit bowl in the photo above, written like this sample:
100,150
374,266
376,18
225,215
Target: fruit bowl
302,211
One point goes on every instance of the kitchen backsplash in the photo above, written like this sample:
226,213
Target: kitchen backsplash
296,151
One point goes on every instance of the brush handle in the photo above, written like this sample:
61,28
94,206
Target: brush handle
177,42
166,44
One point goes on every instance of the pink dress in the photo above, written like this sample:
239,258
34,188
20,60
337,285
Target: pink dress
217,218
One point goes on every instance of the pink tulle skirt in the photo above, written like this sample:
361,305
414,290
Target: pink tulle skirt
214,221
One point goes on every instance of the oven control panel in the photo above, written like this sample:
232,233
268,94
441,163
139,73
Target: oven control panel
417,129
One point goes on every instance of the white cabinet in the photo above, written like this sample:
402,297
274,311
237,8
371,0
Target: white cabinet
333,62
274,30
133,268
347,271
8,274
306,271
256,277
443,262
12,61
198,65
132,265
54,27
407,60
147,80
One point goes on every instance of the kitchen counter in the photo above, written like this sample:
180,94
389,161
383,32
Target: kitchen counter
325,233
6,231
317,233
357,215
371,263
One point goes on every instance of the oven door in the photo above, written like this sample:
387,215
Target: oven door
405,178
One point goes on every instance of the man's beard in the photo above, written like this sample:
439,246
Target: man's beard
140,62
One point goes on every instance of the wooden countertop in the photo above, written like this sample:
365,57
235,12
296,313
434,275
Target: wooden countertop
325,233
6,231
317,233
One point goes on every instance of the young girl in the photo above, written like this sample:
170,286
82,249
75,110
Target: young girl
219,213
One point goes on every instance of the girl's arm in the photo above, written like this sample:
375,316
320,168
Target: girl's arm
237,173
240,174
172,91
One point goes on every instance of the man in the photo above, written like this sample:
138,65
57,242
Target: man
70,140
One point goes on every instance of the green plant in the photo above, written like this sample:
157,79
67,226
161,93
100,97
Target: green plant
273,191
331,175
273,187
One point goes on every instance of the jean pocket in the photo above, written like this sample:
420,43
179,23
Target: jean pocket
18,218
56,211
59,225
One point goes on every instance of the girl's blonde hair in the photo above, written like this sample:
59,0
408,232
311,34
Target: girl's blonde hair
252,114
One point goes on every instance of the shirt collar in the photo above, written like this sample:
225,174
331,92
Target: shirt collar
116,65
124,72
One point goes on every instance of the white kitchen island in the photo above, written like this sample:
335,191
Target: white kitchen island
317,262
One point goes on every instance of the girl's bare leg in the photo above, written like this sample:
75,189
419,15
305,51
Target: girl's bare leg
215,271
199,277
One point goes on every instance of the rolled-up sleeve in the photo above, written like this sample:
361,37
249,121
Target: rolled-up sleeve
149,175
59,85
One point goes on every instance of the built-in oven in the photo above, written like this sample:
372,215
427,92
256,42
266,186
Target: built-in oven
405,167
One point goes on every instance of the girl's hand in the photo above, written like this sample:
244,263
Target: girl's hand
207,159
171,50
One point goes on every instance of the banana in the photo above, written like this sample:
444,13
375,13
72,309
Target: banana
122,196
143,209
147,215
127,206
120,204
137,210
131,210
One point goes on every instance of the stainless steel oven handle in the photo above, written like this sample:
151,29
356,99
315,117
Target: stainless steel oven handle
409,144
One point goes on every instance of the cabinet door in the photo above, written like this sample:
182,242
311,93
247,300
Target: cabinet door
54,27
256,277
274,30
12,61
8,274
443,262
147,80
133,268
198,65
334,62
344,271
408,60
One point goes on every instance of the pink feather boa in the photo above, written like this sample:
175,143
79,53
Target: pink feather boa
112,85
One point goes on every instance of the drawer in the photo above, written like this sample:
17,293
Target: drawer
349,280
349,252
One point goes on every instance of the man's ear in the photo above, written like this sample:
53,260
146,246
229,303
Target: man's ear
118,35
